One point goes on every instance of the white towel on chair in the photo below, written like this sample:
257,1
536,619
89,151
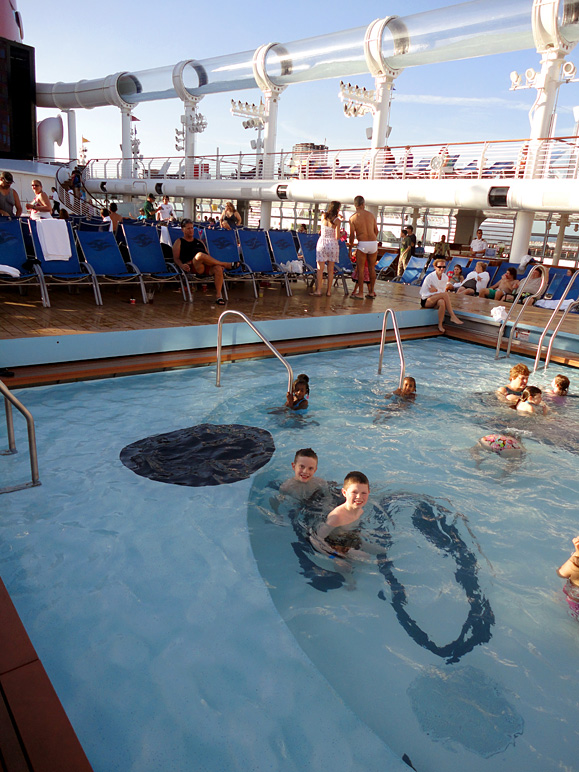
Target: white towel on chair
53,237
10,271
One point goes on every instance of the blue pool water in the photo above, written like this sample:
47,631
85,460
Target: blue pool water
180,638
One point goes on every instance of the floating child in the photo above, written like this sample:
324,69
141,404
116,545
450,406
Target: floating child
531,401
340,534
570,571
519,377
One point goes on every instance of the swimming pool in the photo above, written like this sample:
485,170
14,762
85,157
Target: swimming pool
158,613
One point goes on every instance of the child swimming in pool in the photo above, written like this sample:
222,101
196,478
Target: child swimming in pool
570,571
519,377
531,401
558,389
303,484
340,533
297,398
408,390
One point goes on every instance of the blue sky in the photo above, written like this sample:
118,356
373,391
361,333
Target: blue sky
467,100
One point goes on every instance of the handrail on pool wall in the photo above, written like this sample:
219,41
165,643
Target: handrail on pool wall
398,344
9,400
273,349
556,330
544,281
572,307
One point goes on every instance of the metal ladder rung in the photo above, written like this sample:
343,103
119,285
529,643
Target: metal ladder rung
9,400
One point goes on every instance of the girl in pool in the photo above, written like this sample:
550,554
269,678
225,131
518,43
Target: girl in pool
532,401
297,398
408,390
570,571
559,386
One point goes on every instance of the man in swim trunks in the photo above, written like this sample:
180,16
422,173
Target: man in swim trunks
191,256
364,228
505,286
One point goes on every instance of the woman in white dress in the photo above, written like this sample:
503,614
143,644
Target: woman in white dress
328,247
40,207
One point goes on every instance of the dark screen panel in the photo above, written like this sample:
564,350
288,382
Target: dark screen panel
17,101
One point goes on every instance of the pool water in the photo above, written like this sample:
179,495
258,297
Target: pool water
158,613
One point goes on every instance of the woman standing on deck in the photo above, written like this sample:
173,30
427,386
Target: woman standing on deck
328,247
40,207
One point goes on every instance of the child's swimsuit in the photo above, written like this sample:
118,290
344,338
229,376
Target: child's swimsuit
513,391
572,593
301,405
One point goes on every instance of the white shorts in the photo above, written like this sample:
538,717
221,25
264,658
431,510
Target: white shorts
367,247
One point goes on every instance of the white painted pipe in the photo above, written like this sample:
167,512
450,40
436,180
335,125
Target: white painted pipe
50,133
520,195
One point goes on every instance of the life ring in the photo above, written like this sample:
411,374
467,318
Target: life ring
502,444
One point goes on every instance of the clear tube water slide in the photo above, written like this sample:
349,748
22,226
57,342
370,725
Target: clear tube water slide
464,31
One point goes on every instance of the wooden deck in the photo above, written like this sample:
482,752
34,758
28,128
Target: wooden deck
24,317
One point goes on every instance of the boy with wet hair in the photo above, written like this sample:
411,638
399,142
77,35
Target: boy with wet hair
340,534
519,377
303,484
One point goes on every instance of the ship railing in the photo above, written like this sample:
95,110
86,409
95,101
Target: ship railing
9,401
398,339
557,328
549,158
544,270
260,335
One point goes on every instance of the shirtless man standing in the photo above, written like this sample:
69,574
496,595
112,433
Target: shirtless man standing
363,226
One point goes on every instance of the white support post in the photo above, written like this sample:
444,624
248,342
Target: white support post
71,131
563,223
271,96
553,48
126,144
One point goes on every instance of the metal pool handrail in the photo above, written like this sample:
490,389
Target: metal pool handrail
544,280
9,400
260,335
398,343
555,311
572,306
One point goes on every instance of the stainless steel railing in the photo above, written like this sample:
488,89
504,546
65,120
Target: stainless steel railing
273,350
551,318
398,344
571,307
9,400
544,281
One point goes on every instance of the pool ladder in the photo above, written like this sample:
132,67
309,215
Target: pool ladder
398,343
9,400
544,281
273,350
572,306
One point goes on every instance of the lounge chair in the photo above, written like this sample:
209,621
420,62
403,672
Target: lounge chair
66,271
146,254
13,255
256,256
414,271
283,249
222,245
101,251
385,264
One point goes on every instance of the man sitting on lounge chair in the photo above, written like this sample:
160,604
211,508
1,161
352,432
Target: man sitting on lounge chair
191,256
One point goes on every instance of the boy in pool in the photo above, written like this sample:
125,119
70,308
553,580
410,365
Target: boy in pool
340,535
519,377
297,398
303,484
570,571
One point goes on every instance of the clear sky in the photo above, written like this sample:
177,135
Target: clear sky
458,101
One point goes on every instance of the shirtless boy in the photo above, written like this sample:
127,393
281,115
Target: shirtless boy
506,285
364,228
339,534
303,484
519,377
